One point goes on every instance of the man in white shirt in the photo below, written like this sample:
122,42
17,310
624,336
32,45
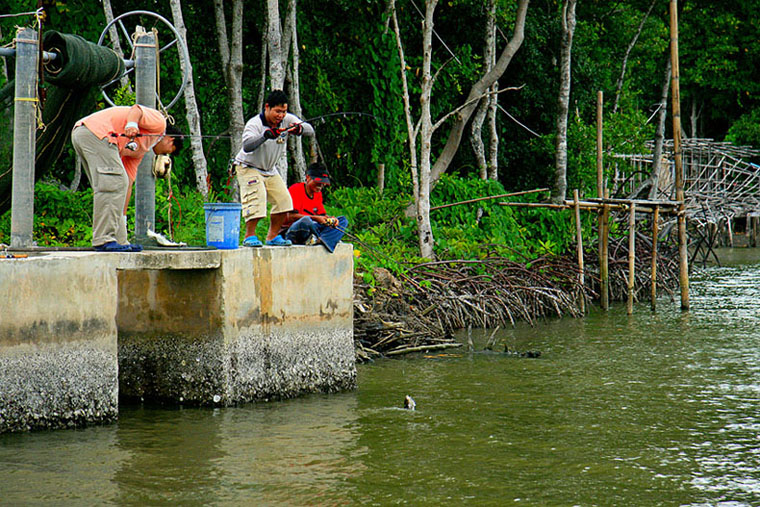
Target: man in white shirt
264,142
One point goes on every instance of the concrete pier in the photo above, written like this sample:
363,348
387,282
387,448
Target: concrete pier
208,327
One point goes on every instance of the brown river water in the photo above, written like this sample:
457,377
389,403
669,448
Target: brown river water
651,409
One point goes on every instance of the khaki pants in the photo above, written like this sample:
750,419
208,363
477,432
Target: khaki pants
257,189
109,182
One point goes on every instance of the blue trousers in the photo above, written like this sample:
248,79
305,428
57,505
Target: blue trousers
304,227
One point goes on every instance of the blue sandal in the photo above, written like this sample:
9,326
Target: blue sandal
113,246
252,241
279,241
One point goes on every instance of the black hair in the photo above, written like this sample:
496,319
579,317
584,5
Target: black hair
276,98
177,135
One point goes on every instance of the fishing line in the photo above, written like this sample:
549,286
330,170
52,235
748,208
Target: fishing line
319,119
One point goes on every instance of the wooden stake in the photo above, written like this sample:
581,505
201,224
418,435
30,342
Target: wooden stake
599,123
604,256
631,256
655,234
579,240
683,253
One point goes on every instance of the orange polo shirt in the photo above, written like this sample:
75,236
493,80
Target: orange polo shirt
113,121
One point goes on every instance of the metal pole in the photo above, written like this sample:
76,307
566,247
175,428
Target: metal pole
24,142
145,95
683,253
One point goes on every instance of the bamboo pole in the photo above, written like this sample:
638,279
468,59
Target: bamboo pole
631,256
598,206
683,254
604,256
579,239
599,123
490,197
655,234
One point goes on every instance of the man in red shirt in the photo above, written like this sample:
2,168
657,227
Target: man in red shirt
111,144
309,223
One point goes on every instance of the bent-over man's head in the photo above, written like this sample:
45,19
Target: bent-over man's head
171,143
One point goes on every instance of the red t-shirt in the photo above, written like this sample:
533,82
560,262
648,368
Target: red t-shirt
304,205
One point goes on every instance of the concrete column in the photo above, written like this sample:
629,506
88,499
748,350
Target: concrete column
145,95
24,142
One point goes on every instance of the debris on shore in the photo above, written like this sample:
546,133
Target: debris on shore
420,311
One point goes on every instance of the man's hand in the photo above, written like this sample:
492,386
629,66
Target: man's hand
271,133
331,221
295,129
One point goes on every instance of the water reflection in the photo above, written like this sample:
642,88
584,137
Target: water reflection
296,451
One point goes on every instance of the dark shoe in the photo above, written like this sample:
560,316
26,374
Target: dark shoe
112,246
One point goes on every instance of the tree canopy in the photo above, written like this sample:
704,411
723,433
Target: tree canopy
349,63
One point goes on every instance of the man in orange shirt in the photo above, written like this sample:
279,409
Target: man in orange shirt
111,144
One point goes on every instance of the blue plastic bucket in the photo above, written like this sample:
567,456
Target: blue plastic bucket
222,224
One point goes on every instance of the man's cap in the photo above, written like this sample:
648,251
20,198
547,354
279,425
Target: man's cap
319,174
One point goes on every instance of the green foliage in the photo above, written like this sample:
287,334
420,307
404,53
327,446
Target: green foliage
385,237
61,217
746,130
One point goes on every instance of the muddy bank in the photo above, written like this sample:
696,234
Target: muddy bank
421,309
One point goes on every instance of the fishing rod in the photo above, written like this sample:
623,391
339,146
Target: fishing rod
321,119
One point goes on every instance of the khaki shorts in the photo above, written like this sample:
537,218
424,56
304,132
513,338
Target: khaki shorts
257,189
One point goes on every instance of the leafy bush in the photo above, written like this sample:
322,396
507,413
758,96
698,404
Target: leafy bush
61,217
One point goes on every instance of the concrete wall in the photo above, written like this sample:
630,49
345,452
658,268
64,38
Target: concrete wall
80,329
58,364
269,323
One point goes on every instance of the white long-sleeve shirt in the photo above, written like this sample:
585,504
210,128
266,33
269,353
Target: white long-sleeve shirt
265,156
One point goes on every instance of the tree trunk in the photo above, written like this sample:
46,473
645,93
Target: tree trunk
493,163
295,143
478,89
277,70
476,140
424,227
410,130
628,50
232,63
114,35
274,43
563,102
489,51
191,106
694,119
659,138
